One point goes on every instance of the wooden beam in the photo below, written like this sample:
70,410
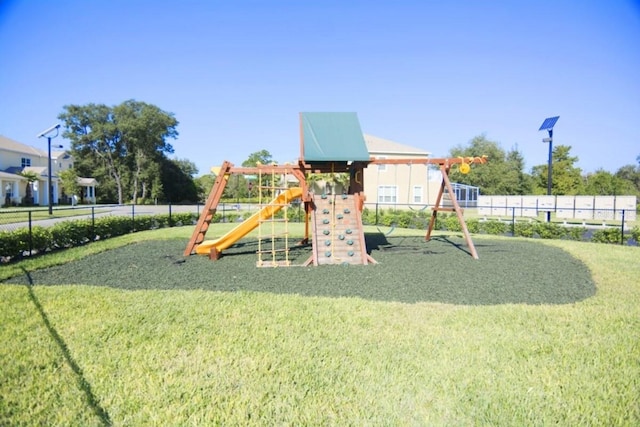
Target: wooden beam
428,161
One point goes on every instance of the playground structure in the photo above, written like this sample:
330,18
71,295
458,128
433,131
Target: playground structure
329,143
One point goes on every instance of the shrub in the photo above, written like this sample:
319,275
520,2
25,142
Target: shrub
112,226
549,230
404,219
67,234
386,218
294,214
146,223
40,239
452,223
184,218
575,233
494,227
523,229
473,225
10,247
368,216
607,235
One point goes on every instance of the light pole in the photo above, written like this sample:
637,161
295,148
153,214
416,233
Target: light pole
548,125
47,133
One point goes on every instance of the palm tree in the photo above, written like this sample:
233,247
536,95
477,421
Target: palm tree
28,191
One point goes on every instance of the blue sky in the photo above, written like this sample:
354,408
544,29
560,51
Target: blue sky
430,74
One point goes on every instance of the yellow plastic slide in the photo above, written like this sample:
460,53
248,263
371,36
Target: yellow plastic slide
250,223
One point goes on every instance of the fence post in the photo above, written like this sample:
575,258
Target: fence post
376,213
133,217
30,236
170,223
622,229
513,222
93,223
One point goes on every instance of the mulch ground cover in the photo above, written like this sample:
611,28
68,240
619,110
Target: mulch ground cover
409,270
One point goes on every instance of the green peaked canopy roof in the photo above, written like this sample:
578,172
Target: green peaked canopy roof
332,137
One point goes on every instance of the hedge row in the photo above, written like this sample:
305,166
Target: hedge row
542,230
20,242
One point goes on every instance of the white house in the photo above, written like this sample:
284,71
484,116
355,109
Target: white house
16,158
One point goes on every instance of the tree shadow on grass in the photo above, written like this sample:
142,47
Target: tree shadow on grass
409,270
84,385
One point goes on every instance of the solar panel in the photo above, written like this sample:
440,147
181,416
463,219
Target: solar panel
549,123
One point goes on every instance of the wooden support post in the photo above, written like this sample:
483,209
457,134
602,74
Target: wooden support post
214,255
209,209
445,167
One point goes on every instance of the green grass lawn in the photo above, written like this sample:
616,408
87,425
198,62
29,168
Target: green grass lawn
129,332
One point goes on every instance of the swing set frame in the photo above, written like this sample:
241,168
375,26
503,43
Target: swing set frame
445,164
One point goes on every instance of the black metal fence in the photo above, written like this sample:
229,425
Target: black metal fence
606,226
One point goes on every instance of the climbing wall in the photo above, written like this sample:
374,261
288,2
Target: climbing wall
338,237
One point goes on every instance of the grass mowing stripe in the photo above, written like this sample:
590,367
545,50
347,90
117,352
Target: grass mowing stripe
244,356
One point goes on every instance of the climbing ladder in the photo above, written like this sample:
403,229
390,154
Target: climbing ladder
272,252
209,210
338,236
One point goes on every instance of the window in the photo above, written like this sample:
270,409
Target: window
382,168
387,194
417,194
26,162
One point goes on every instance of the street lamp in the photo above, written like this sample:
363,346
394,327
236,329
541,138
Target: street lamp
47,133
548,125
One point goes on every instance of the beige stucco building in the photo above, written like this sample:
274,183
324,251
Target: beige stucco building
16,158
401,185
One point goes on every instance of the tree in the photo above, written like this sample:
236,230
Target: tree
517,180
629,177
178,186
566,178
122,143
70,185
502,174
186,166
259,157
28,191
204,184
